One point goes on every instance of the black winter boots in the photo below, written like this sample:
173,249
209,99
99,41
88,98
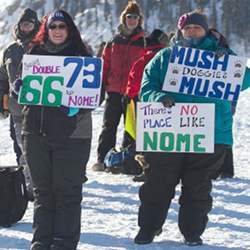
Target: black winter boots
146,236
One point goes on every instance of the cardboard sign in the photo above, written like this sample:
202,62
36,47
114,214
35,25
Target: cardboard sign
186,127
57,80
201,73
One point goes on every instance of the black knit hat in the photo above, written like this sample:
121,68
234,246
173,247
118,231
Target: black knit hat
28,15
157,36
193,18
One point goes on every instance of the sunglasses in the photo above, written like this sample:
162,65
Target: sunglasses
60,26
27,24
131,16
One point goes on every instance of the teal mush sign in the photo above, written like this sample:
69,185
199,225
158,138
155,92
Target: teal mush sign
58,80
186,127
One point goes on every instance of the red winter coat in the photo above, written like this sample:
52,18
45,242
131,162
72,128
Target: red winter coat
119,55
136,72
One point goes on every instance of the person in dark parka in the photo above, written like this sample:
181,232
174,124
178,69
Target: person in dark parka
57,144
10,70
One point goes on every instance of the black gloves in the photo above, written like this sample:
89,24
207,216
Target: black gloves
221,52
126,100
17,86
168,102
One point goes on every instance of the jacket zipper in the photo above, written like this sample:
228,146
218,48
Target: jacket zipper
41,121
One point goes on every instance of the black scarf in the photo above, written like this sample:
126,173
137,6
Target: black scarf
53,48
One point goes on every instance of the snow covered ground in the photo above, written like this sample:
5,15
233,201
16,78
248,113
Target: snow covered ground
110,202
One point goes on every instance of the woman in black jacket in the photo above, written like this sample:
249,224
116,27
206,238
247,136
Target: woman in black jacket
57,147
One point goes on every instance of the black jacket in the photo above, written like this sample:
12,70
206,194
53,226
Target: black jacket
10,65
52,121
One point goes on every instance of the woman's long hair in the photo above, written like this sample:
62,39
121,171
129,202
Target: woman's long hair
73,34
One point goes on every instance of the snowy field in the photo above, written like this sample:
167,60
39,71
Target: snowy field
110,203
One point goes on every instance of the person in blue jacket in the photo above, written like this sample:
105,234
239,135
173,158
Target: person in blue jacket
193,170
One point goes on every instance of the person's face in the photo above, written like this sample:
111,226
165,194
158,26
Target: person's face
193,31
132,21
27,26
58,32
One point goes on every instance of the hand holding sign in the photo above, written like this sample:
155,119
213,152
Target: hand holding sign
221,52
17,86
168,102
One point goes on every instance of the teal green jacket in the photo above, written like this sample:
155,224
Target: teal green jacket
151,91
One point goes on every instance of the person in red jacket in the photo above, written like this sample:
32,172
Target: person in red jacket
154,43
119,55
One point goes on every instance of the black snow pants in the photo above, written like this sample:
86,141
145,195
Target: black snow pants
57,169
228,165
16,148
165,172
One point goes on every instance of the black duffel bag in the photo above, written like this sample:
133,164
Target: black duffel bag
13,195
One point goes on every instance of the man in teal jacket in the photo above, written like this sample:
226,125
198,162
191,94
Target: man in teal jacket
193,170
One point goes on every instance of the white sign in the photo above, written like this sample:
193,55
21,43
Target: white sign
186,127
58,80
201,73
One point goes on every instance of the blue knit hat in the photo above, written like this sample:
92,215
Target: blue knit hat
56,15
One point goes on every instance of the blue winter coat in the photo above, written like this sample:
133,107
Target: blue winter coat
151,91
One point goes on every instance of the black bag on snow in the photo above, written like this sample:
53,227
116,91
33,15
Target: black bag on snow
13,195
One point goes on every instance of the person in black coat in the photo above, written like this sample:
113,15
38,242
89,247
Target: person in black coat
10,70
57,147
